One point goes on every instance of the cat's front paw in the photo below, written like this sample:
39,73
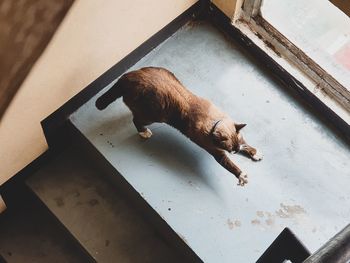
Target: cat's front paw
257,156
146,134
242,179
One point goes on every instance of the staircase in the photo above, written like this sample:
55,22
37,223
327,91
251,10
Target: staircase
95,213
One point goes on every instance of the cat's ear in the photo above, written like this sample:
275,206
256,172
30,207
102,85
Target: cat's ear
239,126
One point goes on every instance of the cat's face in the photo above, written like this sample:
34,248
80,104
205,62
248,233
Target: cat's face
226,136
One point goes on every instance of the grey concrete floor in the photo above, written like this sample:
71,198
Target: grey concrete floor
95,213
302,182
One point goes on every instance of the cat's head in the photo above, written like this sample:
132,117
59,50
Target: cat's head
226,135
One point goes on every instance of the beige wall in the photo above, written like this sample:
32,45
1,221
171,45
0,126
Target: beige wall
226,6
94,36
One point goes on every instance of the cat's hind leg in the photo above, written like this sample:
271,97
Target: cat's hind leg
144,132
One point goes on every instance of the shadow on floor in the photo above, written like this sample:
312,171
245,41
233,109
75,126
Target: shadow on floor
30,234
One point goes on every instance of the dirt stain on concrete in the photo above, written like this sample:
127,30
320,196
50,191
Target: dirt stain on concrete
255,222
107,242
230,224
93,202
233,224
268,214
238,223
260,213
59,201
285,212
270,221
290,211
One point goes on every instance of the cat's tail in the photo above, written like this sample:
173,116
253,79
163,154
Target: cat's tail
111,95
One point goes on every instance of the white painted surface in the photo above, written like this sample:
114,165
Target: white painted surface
302,182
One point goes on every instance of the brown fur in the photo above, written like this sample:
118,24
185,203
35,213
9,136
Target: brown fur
156,95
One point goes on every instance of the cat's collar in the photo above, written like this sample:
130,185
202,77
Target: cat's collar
214,126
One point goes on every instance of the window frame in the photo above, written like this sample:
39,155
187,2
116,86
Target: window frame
248,17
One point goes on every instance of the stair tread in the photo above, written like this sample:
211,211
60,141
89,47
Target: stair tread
30,234
95,213
305,163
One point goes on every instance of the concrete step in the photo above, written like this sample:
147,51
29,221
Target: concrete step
95,213
29,233
191,192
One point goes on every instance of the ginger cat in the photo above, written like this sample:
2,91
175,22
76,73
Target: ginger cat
156,95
